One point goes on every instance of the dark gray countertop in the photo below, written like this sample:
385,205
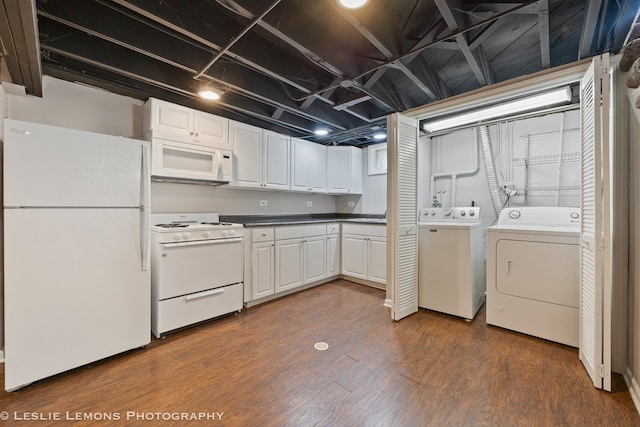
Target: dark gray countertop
276,220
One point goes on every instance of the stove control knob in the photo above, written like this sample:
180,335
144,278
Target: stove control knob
462,213
433,213
447,212
185,236
207,234
177,236
225,233
472,213
231,232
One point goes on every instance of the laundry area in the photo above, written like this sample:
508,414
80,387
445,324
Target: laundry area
537,192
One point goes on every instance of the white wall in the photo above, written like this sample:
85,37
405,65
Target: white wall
172,197
77,106
454,153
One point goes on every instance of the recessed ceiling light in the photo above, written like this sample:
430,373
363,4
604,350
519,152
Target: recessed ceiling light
321,132
379,136
209,94
352,4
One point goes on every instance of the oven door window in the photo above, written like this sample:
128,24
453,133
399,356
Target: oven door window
191,267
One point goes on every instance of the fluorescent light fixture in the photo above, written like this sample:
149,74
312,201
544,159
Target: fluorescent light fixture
209,94
352,4
379,136
505,109
321,132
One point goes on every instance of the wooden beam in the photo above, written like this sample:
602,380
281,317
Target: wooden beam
543,27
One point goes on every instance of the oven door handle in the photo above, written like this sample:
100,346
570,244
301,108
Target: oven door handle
203,242
204,294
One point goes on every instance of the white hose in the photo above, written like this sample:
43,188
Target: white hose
490,170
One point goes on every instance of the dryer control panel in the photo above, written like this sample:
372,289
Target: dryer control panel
465,214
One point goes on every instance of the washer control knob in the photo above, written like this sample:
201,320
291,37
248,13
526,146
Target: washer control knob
472,213
462,213
447,212
433,213
575,215
207,234
514,214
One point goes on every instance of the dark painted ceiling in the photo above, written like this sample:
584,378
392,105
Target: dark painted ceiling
297,65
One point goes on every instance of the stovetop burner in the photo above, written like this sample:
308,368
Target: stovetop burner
217,223
172,225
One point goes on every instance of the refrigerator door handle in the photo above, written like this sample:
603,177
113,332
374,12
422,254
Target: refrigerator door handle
145,208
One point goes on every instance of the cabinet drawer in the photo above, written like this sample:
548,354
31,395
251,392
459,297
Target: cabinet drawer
262,234
333,228
364,229
187,310
300,231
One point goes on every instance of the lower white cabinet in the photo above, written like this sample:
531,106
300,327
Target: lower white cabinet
262,266
286,257
364,252
333,250
300,260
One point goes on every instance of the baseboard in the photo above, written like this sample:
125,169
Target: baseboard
634,388
387,303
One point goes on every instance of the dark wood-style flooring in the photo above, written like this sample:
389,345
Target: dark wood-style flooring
260,368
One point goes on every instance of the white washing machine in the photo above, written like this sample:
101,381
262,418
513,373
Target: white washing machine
533,268
451,266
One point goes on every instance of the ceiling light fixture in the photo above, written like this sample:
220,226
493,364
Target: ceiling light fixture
379,136
546,99
209,94
352,4
321,132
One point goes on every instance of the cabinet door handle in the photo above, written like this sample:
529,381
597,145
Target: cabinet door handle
509,269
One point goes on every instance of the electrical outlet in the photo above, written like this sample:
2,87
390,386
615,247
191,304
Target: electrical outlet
309,204
350,204
263,203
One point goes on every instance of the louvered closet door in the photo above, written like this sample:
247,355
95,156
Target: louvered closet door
595,278
402,238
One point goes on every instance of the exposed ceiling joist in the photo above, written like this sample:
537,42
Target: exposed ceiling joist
543,26
19,36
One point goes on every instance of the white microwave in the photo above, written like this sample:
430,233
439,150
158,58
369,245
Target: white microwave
172,160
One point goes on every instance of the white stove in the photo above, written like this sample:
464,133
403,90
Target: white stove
196,269
192,227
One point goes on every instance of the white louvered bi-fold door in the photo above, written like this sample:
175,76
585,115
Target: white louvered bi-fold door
595,262
402,239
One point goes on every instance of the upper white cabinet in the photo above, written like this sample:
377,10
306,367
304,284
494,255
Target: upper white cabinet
261,157
344,170
246,143
174,122
275,156
308,166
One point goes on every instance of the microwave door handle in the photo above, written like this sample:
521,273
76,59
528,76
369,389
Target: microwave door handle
220,169
145,208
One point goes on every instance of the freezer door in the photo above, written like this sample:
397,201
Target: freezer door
75,291
51,166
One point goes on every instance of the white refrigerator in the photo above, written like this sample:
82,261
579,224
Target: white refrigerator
76,245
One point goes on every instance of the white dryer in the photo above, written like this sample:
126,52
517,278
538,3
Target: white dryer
533,263
451,261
